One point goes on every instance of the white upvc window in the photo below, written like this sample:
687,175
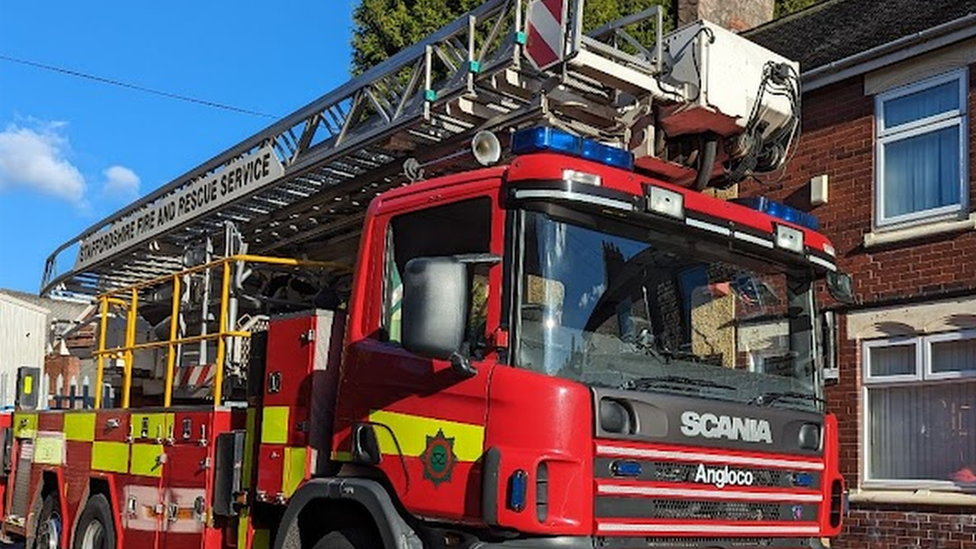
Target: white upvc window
921,151
920,411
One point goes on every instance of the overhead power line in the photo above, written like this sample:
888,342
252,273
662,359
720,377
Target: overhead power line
112,82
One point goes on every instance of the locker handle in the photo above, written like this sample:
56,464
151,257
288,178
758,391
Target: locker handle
274,382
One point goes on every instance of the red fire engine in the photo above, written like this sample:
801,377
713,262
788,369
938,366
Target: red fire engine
573,335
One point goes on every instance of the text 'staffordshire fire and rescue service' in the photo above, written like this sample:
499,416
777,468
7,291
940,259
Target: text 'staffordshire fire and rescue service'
497,292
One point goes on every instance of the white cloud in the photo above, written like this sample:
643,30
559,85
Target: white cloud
121,182
592,296
35,158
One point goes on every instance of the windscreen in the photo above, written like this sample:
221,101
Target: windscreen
627,310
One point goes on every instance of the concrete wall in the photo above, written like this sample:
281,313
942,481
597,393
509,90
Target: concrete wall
23,333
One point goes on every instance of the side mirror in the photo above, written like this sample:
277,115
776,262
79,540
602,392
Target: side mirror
841,287
435,309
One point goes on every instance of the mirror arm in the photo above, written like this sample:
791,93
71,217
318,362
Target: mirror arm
462,365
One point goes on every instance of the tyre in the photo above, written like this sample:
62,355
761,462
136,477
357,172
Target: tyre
95,529
349,538
48,533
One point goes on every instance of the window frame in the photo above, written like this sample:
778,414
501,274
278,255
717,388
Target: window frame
386,289
884,136
960,335
923,377
869,346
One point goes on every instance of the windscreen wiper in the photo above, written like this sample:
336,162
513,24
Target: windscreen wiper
770,397
651,382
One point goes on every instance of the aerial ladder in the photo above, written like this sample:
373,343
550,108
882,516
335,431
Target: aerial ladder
700,106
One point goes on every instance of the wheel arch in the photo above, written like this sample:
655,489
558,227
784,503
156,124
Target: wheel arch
354,499
50,483
99,485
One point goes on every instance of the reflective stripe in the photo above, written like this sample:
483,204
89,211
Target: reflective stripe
110,456
79,426
274,425
412,432
704,225
146,460
623,451
579,197
754,239
294,472
252,421
822,262
738,529
663,492
243,522
261,539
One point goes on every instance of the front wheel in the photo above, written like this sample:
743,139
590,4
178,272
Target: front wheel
349,538
48,534
95,527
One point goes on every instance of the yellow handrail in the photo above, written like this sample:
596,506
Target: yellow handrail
218,390
128,298
282,261
102,327
130,341
171,352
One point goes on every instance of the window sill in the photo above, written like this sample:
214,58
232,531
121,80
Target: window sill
914,497
874,239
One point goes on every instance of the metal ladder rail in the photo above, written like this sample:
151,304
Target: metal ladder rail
344,136
333,126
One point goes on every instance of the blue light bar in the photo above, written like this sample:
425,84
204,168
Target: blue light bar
545,139
781,211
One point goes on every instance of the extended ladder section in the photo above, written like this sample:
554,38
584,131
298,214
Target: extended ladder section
300,187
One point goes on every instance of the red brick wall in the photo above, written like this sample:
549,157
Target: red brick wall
903,527
838,140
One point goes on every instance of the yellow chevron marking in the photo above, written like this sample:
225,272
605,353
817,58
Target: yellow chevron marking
411,434
294,472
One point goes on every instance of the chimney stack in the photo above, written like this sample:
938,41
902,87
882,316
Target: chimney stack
735,15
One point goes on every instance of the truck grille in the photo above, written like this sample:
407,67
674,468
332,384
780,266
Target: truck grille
653,494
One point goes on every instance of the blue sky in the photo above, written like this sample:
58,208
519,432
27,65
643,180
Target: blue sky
73,151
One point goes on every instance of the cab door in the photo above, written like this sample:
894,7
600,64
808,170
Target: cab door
419,420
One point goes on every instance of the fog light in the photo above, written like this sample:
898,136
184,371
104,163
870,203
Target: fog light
665,202
614,417
789,238
809,437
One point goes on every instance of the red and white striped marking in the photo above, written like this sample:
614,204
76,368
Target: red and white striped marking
194,377
648,528
659,491
545,32
607,450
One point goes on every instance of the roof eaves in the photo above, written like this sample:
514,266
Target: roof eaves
4,296
906,47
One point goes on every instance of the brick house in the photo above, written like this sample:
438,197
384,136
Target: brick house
888,88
